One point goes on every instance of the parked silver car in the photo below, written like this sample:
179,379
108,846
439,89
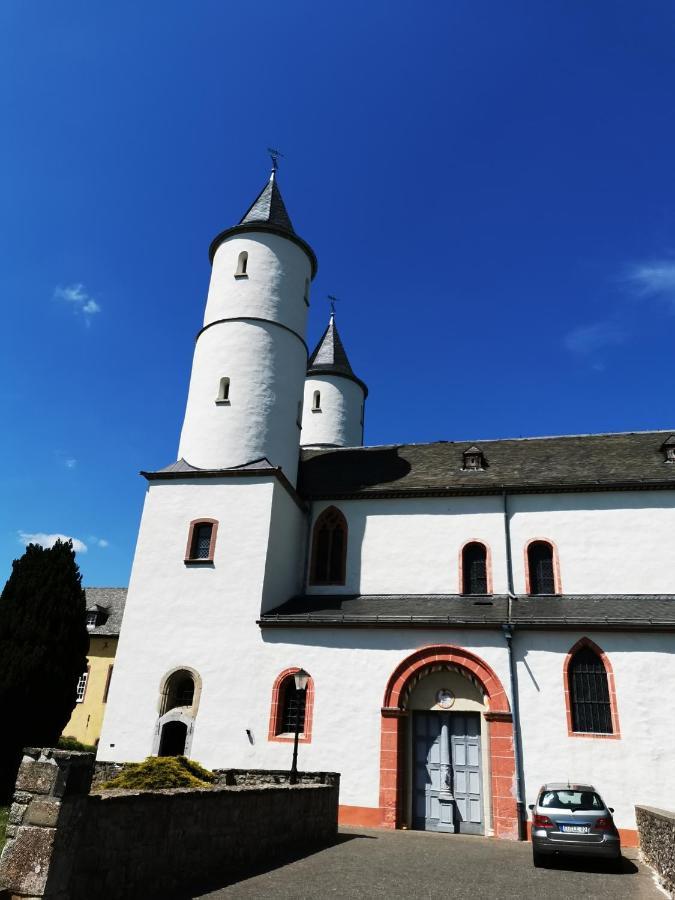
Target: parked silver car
572,819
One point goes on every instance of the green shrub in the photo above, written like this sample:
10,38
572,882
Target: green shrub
71,743
159,772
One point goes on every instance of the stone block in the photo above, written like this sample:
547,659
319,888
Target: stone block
37,777
43,812
16,813
25,861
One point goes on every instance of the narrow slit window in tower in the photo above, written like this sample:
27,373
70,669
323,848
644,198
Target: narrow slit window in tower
316,402
242,265
223,391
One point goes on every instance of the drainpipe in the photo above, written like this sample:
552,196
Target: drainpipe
507,631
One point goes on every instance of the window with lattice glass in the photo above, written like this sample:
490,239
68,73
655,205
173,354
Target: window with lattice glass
474,569
293,705
589,693
81,687
541,571
329,548
201,541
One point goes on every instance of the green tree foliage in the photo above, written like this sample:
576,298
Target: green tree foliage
43,652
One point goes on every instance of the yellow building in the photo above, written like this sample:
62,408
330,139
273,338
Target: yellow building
105,607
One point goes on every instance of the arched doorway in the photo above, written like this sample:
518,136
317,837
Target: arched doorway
497,771
172,739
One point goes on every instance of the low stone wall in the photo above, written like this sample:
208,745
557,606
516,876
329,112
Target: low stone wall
67,844
656,828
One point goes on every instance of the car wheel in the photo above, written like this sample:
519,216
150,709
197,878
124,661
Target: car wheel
537,859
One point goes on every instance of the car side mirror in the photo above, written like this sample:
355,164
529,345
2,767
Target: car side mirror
610,808
531,806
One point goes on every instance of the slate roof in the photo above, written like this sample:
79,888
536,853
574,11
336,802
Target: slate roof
330,356
624,612
110,603
269,207
267,213
570,462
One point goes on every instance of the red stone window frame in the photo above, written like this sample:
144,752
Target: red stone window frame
189,559
488,566
276,710
557,581
595,735
314,560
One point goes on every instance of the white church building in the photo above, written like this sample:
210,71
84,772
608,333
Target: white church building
476,617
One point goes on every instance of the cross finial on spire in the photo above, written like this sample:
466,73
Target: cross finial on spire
275,155
332,300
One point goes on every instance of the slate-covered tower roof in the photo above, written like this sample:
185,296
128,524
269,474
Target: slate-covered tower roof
330,356
267,213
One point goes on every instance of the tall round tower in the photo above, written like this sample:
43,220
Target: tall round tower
333,408
245,395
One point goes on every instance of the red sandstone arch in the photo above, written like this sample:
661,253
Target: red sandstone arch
498,715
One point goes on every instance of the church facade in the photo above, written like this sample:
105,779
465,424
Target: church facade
476,618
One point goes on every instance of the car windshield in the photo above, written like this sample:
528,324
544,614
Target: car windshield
571,799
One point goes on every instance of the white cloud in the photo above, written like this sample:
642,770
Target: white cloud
70,463
48,540
590,338
98,542
80,299
654,279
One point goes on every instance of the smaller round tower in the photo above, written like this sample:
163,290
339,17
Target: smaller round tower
334,400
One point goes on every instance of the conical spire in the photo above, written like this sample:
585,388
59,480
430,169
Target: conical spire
330,356
269,207
266,213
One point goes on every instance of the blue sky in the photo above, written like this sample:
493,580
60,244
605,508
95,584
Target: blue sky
488,187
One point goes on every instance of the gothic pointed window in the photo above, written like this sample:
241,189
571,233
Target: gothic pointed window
540,567
242,265
474,569
329,548
588,687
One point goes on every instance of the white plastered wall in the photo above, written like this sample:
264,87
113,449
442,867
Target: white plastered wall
338,422
607,543
413,546
615,542
636,768
264,357
266,368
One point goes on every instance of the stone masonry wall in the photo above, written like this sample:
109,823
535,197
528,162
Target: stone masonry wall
656,828
66,844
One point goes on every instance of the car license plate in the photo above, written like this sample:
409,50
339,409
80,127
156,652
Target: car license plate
575,829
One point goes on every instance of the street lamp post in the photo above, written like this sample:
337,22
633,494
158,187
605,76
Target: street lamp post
301,678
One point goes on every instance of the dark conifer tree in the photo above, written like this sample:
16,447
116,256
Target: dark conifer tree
43,652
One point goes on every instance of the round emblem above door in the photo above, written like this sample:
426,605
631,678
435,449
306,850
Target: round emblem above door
445,698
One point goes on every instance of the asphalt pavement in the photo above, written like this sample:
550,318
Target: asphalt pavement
415,865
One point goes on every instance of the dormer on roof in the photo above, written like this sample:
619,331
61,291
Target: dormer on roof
473,459
668,447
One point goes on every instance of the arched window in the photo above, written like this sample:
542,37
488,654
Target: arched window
179,691
329,548
540,568
290,705
474,568
223,390
242,265
316,401
590,706
201,543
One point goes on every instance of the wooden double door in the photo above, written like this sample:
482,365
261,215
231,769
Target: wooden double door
447,777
